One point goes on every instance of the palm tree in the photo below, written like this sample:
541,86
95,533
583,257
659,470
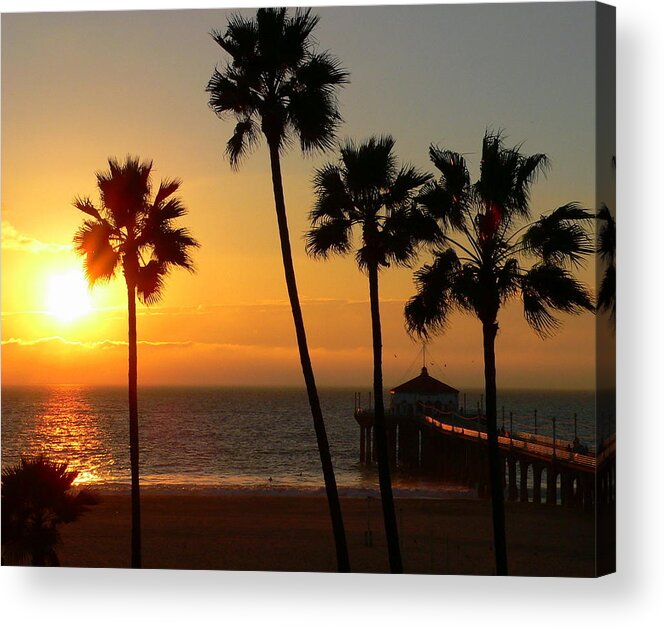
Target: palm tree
491,260
37,497
277,85
607,241
133,232
367,191
607,252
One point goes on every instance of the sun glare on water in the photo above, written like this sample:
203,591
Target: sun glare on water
67,296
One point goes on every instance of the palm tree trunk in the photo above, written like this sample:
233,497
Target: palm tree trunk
389,520
134,426
498,514
305,361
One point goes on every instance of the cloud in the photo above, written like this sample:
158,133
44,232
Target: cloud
12,239
103,344
261,306
215,308
57,340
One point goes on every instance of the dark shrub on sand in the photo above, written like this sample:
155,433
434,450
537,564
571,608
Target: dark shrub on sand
37,497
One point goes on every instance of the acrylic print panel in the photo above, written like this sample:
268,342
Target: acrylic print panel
320,290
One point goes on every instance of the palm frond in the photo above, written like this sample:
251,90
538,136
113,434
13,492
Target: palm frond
405,230
498,170
607,293
447,199
428,311
166,188
508,279
172,247
313,114
124,189
547,288
404,186
607,253
150,281
84,204
530,167
93,241
369,256
312,105
571,211
469,291
560,237
231,92
319,71
506,177
171,210
159,218
370,164
332,198
398,248
296,40
329,236
412,219
454,173
606,235
451,211
239,40
244,139
270,36
538,315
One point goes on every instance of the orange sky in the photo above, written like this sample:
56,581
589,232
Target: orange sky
78,88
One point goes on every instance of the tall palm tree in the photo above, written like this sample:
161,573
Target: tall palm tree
129,230
278,85
367,191
490,252
37,498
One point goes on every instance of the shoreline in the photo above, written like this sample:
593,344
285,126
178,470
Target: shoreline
447,492
292,533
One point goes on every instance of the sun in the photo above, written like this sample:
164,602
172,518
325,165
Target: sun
67,296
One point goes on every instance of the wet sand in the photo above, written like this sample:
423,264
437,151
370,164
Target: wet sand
292,533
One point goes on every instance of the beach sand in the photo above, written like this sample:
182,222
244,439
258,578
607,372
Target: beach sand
292,533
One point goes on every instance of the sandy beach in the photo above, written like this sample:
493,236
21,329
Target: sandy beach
292,533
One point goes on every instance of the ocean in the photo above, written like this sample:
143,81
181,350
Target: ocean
235,439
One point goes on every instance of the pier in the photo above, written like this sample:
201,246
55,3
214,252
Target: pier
453,448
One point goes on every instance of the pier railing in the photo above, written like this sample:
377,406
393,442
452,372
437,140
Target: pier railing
539,449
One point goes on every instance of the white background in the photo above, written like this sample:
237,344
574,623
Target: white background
634,595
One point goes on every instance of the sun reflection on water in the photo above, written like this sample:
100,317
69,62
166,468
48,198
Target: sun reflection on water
65,428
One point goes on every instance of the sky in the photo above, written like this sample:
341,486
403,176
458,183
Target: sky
80,87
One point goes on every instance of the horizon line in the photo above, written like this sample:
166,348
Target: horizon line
271,386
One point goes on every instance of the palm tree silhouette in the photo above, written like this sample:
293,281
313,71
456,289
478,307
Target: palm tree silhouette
131,231
36,500
607,252
607,242
487,265
367,191
277,84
